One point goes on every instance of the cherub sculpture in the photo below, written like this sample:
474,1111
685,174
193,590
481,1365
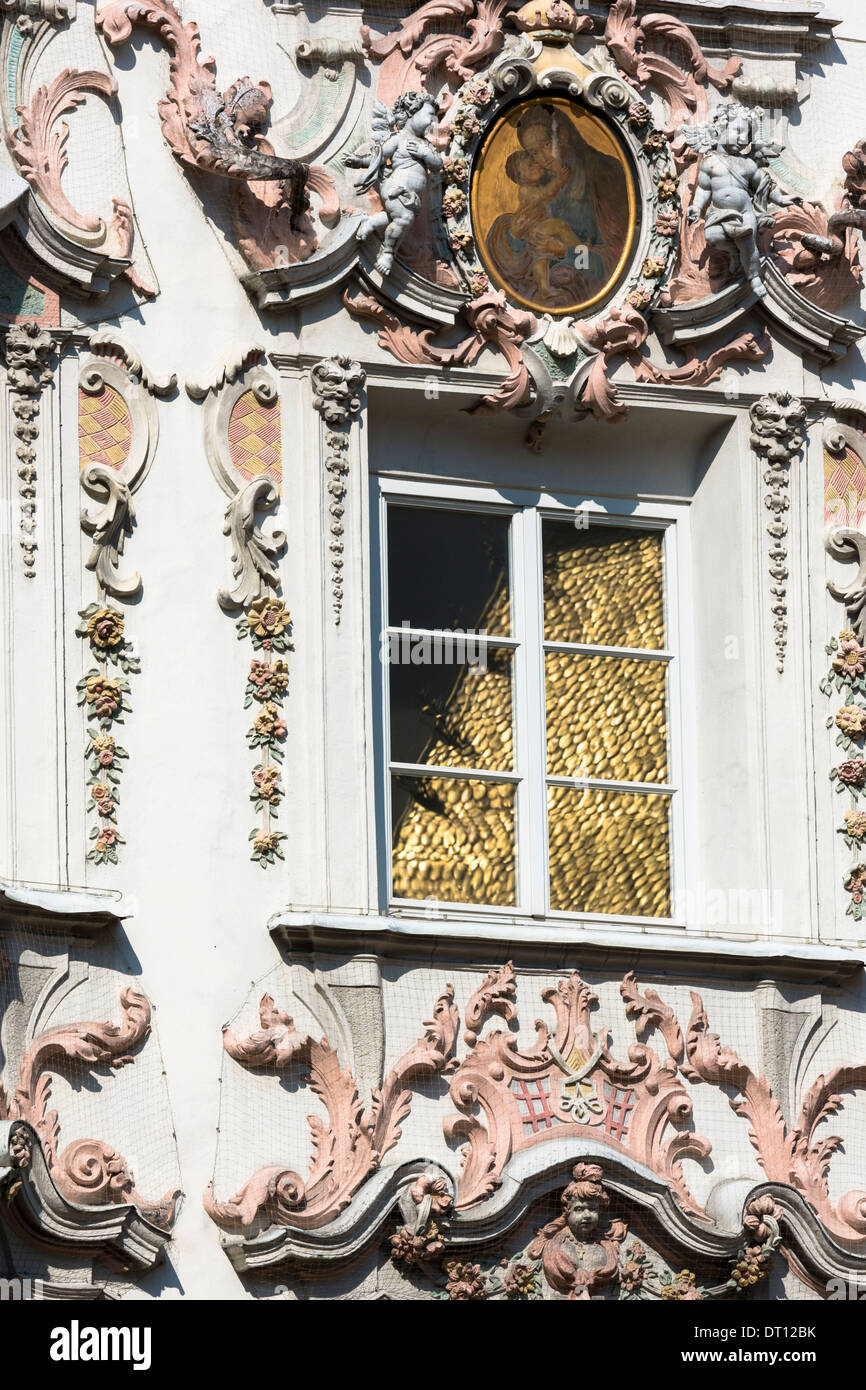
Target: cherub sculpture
576,1259
735,188
399,164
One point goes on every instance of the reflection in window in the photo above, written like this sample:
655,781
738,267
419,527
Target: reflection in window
463,779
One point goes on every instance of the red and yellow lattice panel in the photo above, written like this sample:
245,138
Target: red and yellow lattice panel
104,428
254,439
844,490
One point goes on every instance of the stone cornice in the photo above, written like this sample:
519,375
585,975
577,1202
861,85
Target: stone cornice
671,951
57,911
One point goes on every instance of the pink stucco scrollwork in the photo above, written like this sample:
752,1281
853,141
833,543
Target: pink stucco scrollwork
357,1136
87,1171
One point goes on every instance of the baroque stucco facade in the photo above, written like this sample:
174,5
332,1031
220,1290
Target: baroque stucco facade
211,384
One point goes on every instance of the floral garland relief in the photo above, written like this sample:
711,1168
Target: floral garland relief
848,674
573,1259
104,697
267,624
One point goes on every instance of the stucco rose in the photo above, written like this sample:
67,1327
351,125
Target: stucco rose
104,749
855,824
851,719
105,628
101,796
464,1281
104,695
852,772
855,884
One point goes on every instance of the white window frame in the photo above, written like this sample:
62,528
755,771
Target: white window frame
527,508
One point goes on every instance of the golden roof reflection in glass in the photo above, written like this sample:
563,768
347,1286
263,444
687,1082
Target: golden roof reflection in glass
453,840
606,717
609,852
603,586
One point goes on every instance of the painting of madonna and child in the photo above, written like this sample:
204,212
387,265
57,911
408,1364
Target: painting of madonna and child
553,206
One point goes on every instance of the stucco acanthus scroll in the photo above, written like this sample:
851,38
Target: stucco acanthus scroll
83,252
87,1173
338,384
30,354
521,1114
206,129
777,437
118,435
241,386
847,542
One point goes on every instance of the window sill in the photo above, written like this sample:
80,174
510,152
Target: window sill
590,946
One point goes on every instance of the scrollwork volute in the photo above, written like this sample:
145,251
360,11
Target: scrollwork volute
118,430
242,431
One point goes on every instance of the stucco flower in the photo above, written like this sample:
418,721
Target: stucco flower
852,772
479,284
462,242
638,115
855,824
464,1281
652,267
455,169
667,223
105,628
855,884
268,617
454,202
104,695
850,658
266,845
102,800
631,1276
851,719
639,299
416,1248
279,678
655,140
259,674
266,783
479,93
268,724
104,749
106,838
519,1279
465,123
682,1287
667,187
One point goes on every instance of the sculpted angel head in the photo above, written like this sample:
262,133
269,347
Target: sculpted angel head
583,1200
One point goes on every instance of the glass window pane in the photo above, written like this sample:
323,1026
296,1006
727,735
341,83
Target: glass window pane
453,840
609,852
451,715
606,717
603,585
448,569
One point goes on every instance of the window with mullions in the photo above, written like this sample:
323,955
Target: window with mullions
527,710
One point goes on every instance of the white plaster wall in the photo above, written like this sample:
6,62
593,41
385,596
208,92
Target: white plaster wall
196,906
